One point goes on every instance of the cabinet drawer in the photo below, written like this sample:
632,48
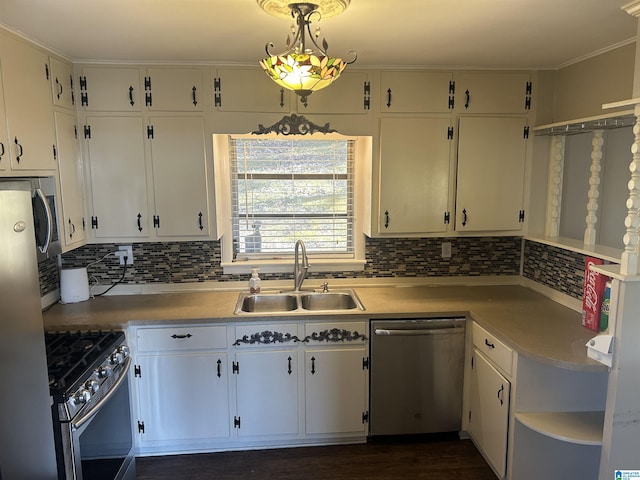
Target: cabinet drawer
335,333
492,348
181,338
266,334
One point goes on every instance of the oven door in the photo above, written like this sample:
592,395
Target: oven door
103,439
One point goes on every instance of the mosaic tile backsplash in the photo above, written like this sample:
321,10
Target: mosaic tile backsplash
554,267
181,262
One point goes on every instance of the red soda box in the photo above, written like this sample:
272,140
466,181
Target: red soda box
592,294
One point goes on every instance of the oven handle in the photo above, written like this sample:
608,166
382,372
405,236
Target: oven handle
76,424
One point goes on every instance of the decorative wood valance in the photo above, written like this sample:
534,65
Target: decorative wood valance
293,125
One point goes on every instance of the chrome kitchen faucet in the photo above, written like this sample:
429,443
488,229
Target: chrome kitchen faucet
299,272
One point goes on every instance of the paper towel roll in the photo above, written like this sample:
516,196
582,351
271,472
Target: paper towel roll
74,285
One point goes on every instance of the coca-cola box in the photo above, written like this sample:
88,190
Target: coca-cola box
592,294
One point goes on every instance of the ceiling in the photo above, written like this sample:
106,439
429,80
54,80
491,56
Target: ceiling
529,34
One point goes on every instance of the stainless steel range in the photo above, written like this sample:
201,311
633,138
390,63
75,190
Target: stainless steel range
88,380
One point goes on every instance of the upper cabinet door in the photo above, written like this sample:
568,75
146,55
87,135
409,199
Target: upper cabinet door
110,89
62,83
416,92
174,89
248,90
27,95
351,93
4,136
179,176
71,180
493,92
491,167
414,175
118,176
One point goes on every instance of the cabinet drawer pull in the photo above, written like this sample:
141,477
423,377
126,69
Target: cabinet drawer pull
467,96
289,367
193,95
219,367
386,219
500,393
388,98
188,335
488,344
131,96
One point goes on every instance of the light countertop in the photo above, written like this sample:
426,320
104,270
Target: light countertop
529,322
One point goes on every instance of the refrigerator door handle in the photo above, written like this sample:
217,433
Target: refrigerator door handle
40,196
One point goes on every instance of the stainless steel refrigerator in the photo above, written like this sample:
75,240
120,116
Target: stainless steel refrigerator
27,448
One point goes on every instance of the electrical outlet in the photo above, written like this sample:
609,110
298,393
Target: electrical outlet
446,249
125,251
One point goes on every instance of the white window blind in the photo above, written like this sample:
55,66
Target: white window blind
283,190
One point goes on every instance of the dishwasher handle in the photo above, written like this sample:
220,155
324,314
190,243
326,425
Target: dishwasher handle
418,331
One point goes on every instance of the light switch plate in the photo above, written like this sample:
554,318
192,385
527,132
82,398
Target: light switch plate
446,249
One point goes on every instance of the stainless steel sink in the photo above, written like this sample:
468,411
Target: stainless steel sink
328,301
298,302
268,303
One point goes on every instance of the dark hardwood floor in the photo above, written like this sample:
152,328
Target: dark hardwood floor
440,457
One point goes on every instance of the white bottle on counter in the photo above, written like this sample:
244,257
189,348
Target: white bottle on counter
254,281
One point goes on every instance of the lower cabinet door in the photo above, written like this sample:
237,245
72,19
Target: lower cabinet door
267,392
489,415
183,397
336,391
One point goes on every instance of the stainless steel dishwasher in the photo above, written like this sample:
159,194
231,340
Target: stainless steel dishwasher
416,376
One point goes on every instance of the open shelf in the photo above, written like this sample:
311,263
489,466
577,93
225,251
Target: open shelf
583,428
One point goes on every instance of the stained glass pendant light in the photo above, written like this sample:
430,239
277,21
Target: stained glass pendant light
305,67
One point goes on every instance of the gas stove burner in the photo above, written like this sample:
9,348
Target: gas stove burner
71,356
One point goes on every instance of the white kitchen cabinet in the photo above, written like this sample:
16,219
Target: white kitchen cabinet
493,92
415,172
181,383
179,176
489,411
351,93
71,180
416,92
490,174
267,392
28,107
174,89
5,154
336,379
117,176
164,197
266,380
336,391
110,89
62,83
248,90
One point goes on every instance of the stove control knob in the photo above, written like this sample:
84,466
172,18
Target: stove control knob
92,385
105,371
124,350
82,396
117,358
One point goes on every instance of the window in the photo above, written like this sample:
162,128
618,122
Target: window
273,190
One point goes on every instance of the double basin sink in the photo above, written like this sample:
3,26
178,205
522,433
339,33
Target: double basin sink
298,302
